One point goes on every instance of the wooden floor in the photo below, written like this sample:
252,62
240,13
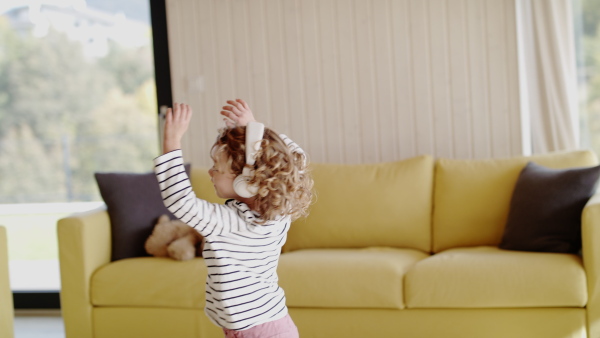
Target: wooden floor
39,324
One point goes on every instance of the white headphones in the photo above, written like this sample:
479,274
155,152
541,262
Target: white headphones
254,134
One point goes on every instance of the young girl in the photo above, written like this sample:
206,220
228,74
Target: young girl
244,236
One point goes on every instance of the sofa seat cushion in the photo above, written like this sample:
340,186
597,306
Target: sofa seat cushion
488,277
346,278
151,282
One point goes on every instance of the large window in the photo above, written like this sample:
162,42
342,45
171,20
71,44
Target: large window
77,96
587,39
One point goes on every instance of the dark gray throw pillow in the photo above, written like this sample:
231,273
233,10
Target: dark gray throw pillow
134,204
545,209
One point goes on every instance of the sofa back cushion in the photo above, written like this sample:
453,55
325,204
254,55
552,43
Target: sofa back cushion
202,185
384,204
472,197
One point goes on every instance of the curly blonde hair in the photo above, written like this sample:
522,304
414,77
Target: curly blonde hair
282,176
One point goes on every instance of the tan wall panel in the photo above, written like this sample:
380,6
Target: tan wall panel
353,81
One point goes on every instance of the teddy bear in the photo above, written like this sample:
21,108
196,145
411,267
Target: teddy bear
174,239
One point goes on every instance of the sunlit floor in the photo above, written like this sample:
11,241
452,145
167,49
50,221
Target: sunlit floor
39,324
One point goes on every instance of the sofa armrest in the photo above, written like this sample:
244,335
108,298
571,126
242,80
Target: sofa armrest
6,297
84,245
590,234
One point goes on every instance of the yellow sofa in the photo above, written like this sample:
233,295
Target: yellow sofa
6,298
402,249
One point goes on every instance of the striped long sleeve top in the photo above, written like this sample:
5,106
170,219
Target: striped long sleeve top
241,256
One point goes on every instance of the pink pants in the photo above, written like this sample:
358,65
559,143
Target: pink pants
280,328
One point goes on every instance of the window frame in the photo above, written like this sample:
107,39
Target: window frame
50,299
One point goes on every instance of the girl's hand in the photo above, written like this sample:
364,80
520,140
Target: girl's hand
237,113
177,121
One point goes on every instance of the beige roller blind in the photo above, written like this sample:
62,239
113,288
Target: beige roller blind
353,81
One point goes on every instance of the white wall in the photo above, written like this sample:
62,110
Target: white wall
353,81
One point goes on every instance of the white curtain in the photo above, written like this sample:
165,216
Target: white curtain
548,74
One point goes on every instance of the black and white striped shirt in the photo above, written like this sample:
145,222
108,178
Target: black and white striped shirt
241,255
